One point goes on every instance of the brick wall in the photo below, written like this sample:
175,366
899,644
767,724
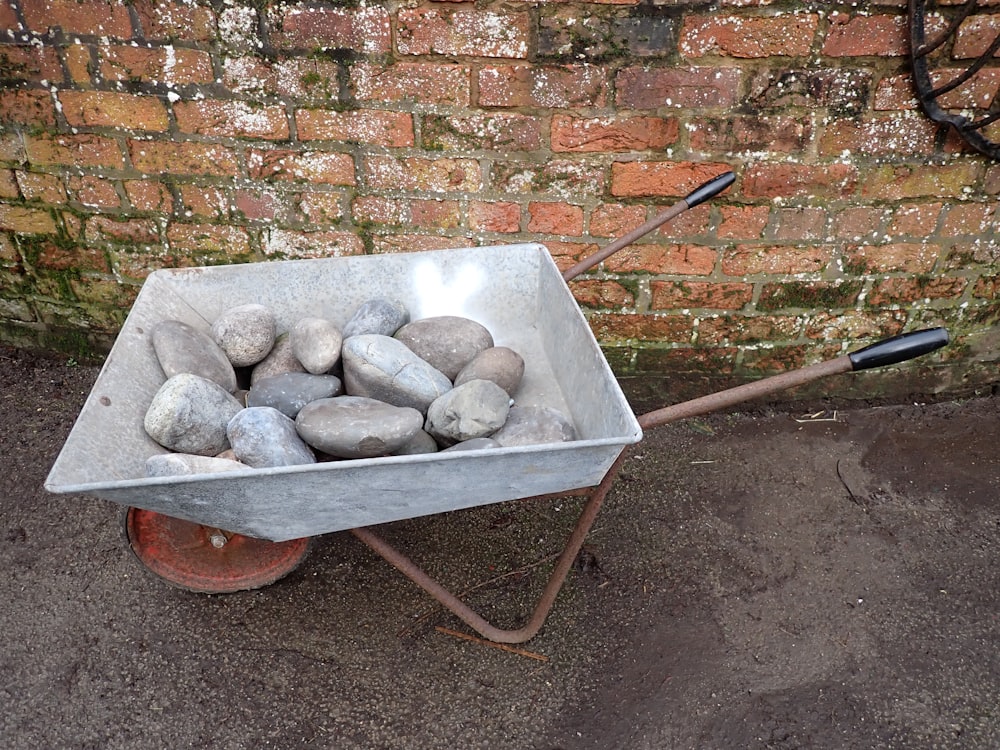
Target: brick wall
140,134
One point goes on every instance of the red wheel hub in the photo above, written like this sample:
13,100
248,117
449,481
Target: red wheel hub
205,559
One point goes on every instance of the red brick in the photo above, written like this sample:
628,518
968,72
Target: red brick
610,134
8,18
322,208
261,204
692,223
556,177
717,360
987,287
782,35
182,157
808,294
434,214
908,257
633,179
566,254
549,86
903,182
32,107
777,133
975,36
8,185
800,223
24,220
296,77
113,110
895,93
481,33
898,291
748,260
555,218
30,63
74,150
855,325
799,180
615,220
207,200
678,295
856,222
915,220
969,219
62,258
743,222
362,29
175,19
375,127
417,173
79,63
426,214
94,192
106,229
501,216
727,329
411,243
613,327
325,168
906,134
134,262
653,88
147,195
689,260
866,35
208,238
40,186
493,131
419,83
232,119
174,66
602,294
377,209
8,252
97,17
281,243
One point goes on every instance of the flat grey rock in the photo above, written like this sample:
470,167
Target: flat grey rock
475,444
290,391
382,368
181,348
264,437
447,342
380,315
245,333
499,364
533,425
189,414
475,409
316,344
357,427
184,464
280,360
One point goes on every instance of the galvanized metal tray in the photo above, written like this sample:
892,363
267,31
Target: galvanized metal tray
516,291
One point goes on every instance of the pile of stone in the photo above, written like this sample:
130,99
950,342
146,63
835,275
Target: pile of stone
382,385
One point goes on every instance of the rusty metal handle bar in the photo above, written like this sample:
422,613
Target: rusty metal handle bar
700,194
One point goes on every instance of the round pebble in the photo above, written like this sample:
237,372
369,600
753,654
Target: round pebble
499,364
447,342
316,344
245,333
380,315
476,409
189,414
280,360
263,437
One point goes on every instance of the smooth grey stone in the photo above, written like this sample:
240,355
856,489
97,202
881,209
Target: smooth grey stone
262,437
181,348
290,391
448,342
381,315
183,464
476,409
499,364
420,443
316,344
382,368
280,360
357,427
473,445
189,414
245,333
532,425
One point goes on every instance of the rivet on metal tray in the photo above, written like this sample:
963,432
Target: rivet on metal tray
105,401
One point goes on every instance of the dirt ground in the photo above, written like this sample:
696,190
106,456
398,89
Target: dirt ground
781,577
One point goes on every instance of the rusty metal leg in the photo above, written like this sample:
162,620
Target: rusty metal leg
548,596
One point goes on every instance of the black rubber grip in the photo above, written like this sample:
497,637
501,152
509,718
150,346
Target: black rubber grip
710,189
899,348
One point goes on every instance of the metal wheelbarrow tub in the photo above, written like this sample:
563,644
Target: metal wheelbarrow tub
516,291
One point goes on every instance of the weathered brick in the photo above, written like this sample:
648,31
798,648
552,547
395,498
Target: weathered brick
900,291
94,192
975,35
594,37
914,220
182,157
844,91
27,107
8,185
410,243
748,260
114,110
550,86
730,329
857,222
854,325
780,133
8,18
128,231
204,200
24,220
615,327
743,222
691,223
434,214
320,167
562,178
483,33
809,295
501,216
296,77
566,254
261,204
653,88
208,238
418,173
800,223
782,35
602,294
137,262
615,219
904,182
420,83
281,243
686,359
425,214
322,208
500,131
612,134
12,150
148,195
89,17
969,219
987,287
799,180
28,62
633,179
174,66
375,127
908,257
362,29
175,19
688,260
905,134
79,62
47,188
232,119
679,295
866,35
555,218
62,257
8,250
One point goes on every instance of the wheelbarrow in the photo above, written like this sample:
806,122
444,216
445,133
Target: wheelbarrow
232,531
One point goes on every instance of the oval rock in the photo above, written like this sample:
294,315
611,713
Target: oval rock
245,333
447,342
382,368
498,364
290,391
181,348
476,409
184,464
532,425
263,437
381,315
357,427
280,360
189,414
316,344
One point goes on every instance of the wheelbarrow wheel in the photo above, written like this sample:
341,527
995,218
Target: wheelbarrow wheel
208,560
